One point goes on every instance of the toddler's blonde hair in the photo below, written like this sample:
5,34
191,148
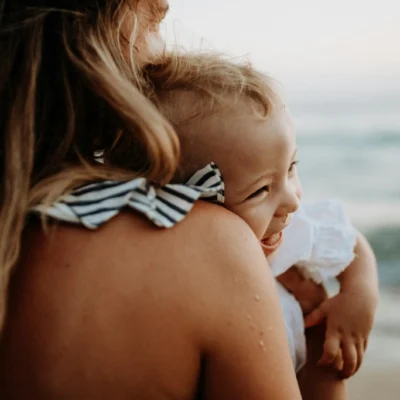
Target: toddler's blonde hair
190,89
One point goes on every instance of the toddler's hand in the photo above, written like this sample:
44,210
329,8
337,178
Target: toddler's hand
309,294
349,319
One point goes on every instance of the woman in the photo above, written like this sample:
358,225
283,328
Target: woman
129,310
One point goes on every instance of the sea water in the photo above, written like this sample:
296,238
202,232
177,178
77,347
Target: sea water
351,150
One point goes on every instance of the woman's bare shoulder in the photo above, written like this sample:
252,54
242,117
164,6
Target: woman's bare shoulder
207,227
131,253
129,256
166,296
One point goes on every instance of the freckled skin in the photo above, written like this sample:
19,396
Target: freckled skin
116,314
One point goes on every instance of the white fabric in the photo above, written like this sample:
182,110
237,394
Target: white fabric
294,324
320,240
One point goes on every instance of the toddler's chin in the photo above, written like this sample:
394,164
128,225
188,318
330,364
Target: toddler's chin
271,244
271,256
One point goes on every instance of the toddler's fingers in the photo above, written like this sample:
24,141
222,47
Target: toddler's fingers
360,355
339,361
349,358
331,350
315,318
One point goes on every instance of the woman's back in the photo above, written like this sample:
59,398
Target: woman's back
131,311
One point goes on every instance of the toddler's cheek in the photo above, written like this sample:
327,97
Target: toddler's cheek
299,191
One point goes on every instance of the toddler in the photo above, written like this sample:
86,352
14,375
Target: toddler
232,115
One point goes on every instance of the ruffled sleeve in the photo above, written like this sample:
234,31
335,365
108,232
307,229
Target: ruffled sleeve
319,240
95,204
334,240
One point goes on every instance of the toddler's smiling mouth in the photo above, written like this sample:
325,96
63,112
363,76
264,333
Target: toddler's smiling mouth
271,243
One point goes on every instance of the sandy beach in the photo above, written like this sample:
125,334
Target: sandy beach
379,377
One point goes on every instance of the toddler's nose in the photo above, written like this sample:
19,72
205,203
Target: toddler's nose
289,204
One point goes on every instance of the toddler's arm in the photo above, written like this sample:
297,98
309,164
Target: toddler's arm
361,277
349,315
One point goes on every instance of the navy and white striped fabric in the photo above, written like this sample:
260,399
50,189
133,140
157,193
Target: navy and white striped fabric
95,204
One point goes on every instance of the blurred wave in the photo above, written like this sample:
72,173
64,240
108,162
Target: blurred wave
377,137
352,152
386,244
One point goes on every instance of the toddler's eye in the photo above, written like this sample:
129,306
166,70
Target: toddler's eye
264,189
292,165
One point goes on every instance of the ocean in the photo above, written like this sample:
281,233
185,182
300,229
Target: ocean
350,149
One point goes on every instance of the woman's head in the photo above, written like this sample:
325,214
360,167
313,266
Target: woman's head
232,115
70,87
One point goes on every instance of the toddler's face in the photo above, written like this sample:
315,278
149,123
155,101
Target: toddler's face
260,173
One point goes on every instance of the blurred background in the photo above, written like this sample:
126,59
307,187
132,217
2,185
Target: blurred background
339,66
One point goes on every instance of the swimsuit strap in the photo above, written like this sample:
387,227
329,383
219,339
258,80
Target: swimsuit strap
95,204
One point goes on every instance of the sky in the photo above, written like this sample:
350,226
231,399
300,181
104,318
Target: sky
341,47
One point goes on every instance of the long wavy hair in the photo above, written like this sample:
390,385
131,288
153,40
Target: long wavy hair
70,89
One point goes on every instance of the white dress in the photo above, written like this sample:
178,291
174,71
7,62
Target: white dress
320,241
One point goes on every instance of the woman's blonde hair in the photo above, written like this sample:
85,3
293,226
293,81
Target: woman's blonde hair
69,88
190,88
